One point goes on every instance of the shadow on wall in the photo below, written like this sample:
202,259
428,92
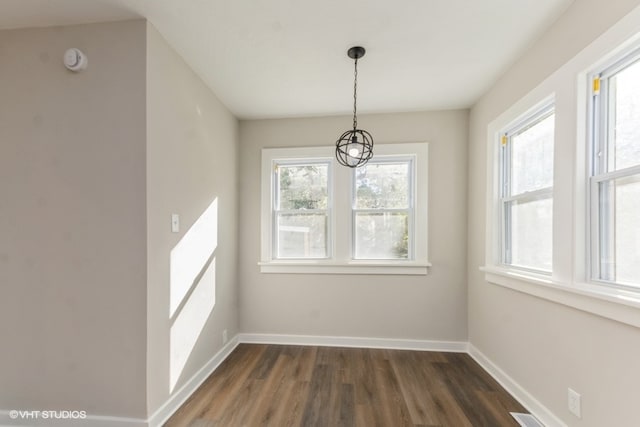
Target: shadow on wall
192,288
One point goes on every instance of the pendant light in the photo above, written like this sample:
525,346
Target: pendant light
354,148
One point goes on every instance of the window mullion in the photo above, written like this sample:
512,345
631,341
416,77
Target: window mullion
341,213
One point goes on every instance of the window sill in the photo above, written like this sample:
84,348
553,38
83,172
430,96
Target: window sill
619,305
354,267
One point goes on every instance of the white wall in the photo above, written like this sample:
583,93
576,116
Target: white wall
191,165
545,346
72,220
431,307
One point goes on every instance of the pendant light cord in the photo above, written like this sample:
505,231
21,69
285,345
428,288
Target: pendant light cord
355,97
354,147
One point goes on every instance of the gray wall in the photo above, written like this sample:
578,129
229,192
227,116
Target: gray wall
545,346
72,220
431,307
192,149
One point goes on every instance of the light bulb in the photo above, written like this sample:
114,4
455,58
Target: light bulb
354,152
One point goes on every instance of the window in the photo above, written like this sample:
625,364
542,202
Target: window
382,210
318,216
614,182
526,191
301,210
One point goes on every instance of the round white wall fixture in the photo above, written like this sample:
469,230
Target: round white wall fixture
75,60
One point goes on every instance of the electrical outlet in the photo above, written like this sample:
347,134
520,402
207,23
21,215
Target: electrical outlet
224,337
575,405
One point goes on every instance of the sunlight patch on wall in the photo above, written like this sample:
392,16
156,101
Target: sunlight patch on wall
192,288
191,254
190,321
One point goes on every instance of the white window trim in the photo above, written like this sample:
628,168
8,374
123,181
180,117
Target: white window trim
568,283
341,261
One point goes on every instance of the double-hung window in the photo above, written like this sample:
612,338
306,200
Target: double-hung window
301,210
614,181
526,191
383,209
320,217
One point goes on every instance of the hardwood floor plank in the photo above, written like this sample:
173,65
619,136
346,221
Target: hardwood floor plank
392,403
240,408
303,361
450,414
290,409
365,416
275,387
347,406
266,362
364,382
463,390
318,399
471,372
414,385
299,386
202,423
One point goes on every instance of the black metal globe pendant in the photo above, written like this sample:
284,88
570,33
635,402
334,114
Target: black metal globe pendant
354,148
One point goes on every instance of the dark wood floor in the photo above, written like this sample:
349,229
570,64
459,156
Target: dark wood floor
271,385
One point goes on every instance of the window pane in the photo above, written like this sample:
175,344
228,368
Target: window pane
532,157
620,226
302,186
302,235
625,110
382,235
531,233
382,186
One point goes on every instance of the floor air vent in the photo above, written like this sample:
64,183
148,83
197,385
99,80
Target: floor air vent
526,420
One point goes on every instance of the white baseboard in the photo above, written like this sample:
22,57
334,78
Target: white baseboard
162,414
6,420
537,409
355,342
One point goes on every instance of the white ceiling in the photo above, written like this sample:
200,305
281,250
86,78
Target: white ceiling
285,58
